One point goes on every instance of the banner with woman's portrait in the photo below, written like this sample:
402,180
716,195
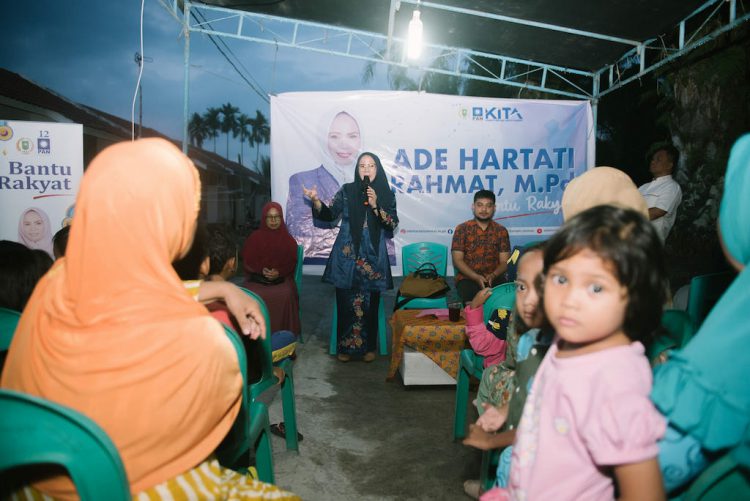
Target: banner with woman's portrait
437,150
40,171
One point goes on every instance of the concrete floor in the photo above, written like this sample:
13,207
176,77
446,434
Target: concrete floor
365,438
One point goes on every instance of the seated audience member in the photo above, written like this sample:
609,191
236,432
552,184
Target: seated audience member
20,270
702,389
222,256
269,258
212,256
480,249
601,186
125,344
194,265
488,341
222,253
663,195
60,242
508,383
588,425
504,386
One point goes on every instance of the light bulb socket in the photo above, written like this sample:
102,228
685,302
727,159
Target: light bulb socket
414,40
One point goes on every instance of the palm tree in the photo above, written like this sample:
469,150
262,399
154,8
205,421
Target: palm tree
244,130
198,130
265,167
261,133
228,121
213,123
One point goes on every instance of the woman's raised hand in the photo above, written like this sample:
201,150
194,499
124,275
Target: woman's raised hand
312,193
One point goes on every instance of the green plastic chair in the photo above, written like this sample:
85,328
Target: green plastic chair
705,291
415,255
298,283
470,364
250,428
382,333
679,330
268,380
35,431
8,323
723,480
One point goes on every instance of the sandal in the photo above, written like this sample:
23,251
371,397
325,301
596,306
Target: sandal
369,356
343,357
279,430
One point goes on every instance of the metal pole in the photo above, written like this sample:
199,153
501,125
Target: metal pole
186,84
595,110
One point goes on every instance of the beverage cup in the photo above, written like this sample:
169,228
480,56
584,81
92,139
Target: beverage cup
454,311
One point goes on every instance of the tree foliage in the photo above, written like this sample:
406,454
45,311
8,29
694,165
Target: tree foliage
229,120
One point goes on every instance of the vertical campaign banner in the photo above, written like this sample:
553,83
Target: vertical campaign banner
437,151
40,170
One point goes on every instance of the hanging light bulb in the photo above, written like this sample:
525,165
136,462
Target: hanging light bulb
414,41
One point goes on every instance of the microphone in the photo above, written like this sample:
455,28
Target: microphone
365,185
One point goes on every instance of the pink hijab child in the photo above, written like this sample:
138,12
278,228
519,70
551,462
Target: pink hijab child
34,230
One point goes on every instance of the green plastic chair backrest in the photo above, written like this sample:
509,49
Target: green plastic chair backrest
416,254
298,268
723,480
237,440
705,291
267,378
36,431
679,329
503,297
8,323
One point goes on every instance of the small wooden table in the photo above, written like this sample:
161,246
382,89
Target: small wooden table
439,339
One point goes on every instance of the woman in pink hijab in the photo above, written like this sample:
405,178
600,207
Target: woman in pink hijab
34,230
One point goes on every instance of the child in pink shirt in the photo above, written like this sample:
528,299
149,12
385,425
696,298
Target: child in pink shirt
487,340
588,420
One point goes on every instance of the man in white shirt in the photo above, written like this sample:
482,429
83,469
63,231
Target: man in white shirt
663,195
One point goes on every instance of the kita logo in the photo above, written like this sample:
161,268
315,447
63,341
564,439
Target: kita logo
495,114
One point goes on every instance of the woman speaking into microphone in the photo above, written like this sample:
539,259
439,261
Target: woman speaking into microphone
358,265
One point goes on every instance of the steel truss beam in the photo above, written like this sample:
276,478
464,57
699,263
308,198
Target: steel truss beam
653,54
374,47
648,55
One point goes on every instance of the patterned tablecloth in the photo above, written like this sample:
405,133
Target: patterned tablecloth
440,339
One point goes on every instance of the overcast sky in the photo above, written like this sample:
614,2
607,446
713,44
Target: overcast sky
84,50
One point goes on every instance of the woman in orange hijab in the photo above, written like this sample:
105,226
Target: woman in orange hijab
111,332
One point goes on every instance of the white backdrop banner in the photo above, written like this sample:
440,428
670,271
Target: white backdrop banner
40,171
437,151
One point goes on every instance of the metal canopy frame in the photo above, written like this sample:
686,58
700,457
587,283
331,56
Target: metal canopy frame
707,22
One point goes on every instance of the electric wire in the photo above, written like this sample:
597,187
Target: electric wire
254,86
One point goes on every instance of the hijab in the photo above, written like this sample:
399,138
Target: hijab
111,331
45,242
602,186
267,248
702,389
342,171
358,211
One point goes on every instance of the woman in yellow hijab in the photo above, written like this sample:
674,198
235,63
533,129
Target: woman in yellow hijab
112,332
